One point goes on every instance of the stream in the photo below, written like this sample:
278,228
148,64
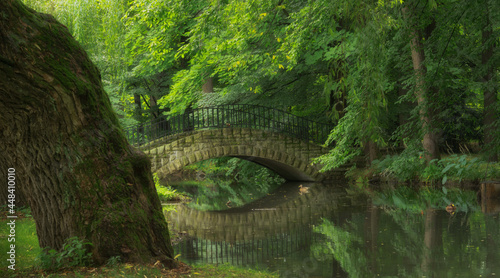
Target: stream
331,230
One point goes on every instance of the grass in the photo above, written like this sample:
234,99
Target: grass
148,271
228,271
27,250
26,240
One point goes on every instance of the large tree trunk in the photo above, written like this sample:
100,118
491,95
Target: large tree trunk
71,159
424,98
490,94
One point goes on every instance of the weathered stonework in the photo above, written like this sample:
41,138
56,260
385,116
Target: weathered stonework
289,157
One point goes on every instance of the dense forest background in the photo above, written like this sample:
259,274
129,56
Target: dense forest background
418,74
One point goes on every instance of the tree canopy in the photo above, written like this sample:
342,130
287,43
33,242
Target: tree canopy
387,72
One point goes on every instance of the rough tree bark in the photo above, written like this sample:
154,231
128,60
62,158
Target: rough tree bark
72,161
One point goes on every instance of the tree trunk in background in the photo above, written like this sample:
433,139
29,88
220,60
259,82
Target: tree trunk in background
208,86
371,151
424,98
72,161
490,94
138,107
154,107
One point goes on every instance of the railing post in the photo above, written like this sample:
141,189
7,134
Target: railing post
218,121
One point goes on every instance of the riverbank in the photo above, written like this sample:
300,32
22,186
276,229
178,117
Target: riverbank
452,171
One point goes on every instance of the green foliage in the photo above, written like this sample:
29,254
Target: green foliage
343,61
228,179
26,211
460,167
237,169
74,253
345,246
346,141
114,261
410,165
405,166
165,193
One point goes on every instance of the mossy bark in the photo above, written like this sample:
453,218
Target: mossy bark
72,161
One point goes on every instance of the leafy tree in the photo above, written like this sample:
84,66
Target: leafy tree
416,73
439,37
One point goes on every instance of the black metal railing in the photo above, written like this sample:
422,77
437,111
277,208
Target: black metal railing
227,116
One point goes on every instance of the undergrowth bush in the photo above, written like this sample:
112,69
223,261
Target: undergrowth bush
405,166
165,193
410,165
74,253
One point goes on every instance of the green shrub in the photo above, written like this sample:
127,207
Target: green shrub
114,261
165,193
74,253
460,168
405,166
410,165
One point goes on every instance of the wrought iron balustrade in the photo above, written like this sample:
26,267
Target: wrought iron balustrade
228,116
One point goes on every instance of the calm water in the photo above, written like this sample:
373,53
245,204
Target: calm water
332,232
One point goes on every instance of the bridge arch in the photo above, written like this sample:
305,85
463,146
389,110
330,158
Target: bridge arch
288,156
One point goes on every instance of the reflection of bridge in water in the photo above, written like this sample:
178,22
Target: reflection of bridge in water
257,233
278,140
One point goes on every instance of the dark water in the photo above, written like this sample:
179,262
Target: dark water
331,231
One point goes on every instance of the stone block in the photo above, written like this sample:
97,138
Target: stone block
197,137
218,151
205,154
191,158
184,161
198,155
226,150
242,150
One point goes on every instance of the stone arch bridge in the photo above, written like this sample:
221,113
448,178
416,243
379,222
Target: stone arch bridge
275,139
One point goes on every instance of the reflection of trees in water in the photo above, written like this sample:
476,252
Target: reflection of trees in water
355,241
390,241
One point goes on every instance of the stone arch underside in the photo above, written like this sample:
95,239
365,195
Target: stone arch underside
289,157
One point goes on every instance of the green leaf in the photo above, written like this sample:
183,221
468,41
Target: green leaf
445,178
398,202
447,168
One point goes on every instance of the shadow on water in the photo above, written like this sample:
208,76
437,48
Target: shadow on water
329,231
